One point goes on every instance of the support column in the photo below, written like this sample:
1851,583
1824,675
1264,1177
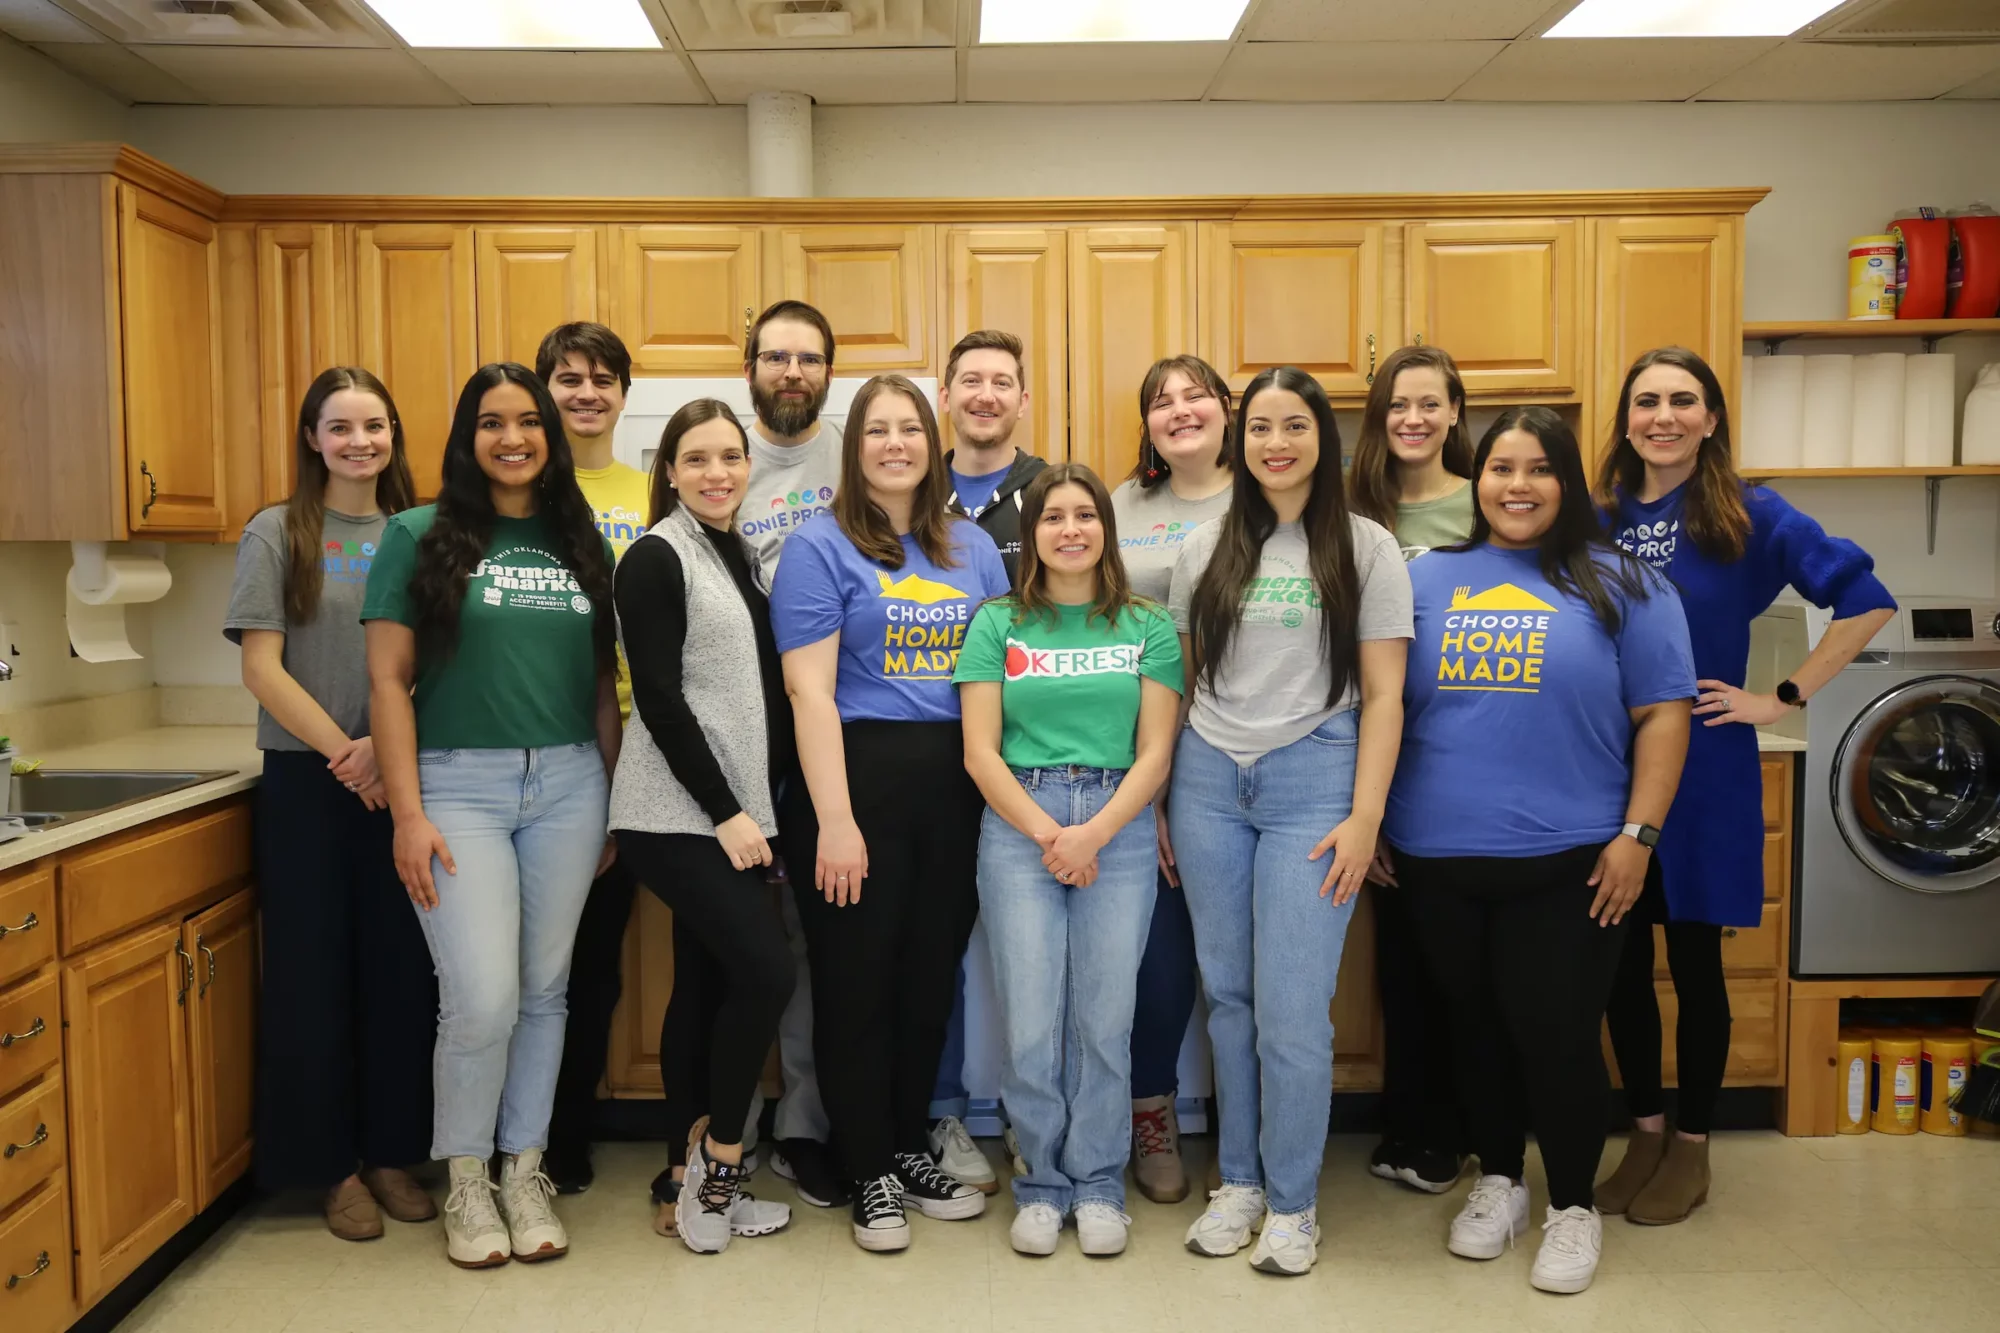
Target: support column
781,145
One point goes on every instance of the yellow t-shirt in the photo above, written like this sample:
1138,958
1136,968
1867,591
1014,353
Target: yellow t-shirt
618,498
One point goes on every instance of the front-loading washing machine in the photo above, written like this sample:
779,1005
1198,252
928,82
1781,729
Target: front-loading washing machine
1899,857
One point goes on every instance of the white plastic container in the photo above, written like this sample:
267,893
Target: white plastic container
1979,437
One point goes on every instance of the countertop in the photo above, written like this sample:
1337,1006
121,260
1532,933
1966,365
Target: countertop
1771,743
179,748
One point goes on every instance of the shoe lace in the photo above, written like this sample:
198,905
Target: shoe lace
952,1131
881,1197
1488,1199
1286,1228
472,1202
1238,1202
924,1172
528,1199
1151,1134
1099,1211
1565,1232
720,1186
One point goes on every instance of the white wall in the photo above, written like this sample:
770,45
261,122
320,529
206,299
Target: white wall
31,596
41,101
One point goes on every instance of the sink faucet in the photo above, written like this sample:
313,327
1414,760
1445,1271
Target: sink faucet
6,671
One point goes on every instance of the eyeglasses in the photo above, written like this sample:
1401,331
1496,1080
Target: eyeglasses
808,361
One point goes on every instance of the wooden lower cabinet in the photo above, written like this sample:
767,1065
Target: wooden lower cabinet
632,1068
35,1268
1357,1005
222,1040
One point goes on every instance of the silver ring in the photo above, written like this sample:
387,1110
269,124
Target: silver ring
840,877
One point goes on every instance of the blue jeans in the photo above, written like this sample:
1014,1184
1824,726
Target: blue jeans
1066,964
1268,944
949,1096
526,828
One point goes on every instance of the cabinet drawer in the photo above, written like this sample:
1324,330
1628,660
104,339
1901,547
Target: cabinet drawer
31,1139
27,923
30,1030
160,872
1777,865
35,1265
1753,949
1756,1032
1777,775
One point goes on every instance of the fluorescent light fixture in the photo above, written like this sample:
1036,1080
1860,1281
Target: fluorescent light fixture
1690,18
1011,21
558,25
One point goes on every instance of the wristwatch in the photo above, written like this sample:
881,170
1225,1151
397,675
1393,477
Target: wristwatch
1789,695
1644,834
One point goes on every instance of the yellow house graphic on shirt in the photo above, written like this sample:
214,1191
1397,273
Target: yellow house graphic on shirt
915,588
1494,640
1502,597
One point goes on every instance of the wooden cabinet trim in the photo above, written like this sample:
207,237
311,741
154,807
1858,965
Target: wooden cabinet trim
158,870
222,1012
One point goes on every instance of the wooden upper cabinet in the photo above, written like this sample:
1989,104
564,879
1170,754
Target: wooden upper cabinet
873,284
683,298
413,307
303,323
1016,281
530,280
1305,294
1662,281
1131,302
222,1040
171,329
1503,297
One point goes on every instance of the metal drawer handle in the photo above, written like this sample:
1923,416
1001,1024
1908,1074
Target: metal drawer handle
187,973
28,924
9,1038
41,1137
208,980
1729,932
152,489
1369,378
41,1266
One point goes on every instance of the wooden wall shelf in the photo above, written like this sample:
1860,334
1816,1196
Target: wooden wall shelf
1773,332
1858,473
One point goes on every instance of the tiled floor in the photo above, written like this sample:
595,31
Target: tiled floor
1825,1235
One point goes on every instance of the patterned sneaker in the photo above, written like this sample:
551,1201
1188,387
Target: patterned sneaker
474,1234
1037,1226
933,1193
1495,1214
526,1200
959,1157
707,1197
879,1223
1572,1240
1225,1228
1156,1150
1289,1244
1101,1228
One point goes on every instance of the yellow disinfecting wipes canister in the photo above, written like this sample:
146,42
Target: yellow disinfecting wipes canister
1871,277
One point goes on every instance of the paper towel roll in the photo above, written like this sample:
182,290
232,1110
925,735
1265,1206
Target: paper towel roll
96,592
1829,414
1775,437
1930,402
127,580
1878,409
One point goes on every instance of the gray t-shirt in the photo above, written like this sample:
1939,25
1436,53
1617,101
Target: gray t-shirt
327,655
1445,521
1271,688
789,483
1153,526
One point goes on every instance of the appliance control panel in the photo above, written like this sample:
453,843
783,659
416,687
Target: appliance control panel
1941,627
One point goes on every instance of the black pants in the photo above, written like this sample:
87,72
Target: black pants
348,1014
885,969
1701,1029
1527,972
1419,1094
1167,984
733,976
596,979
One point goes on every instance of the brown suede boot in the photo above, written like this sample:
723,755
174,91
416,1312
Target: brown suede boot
1678,1188
399,1194
1156,1150
351,1213
1643,1151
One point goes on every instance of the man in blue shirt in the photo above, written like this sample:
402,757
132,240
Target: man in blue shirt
985,396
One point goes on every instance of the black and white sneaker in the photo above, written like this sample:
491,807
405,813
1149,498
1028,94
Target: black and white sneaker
879,1223
1426,1169
803,1162
934,1193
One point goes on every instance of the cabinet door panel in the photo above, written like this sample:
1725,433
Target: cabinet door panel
1015,280
171,290
413,305
1132,301
1662,281
873,284
1305,294
1502,297
222,1040
302,322
633,1066
530,280
682,298
1357,1005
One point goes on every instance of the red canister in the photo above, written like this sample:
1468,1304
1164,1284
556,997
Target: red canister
1920,272
1976,294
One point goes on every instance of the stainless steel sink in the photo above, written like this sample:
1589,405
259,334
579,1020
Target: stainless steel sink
56,795
33,821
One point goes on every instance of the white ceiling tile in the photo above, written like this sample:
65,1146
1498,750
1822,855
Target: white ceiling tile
1610,69
1394,20
833,78
1844,72
300,76
1987,87
1093,72
1350,71
752,25
563,78
40,21
119,72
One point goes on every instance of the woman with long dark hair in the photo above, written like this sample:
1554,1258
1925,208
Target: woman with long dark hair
1676,502
343,1076
1295,616
870,609
1071,689
1551,677
491,656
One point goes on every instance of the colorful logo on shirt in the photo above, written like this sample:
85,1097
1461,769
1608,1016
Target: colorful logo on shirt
790,510
528,587
1494,641
1162,536
348,562
1115,659
621,526
927,622
1654,543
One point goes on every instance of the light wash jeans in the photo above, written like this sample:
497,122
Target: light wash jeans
1066,964
1268,944
526,828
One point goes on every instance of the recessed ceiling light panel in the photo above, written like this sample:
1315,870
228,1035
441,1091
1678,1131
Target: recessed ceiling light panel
553,25
1690,18
1018,21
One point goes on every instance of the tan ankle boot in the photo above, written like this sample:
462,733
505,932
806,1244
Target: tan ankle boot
1676,1189
1156,1150
1643,1151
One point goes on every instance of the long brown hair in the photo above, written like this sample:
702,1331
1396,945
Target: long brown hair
1216,609
863,521
662,498
1114,590
1713,515
1151,469
305,509
1376,480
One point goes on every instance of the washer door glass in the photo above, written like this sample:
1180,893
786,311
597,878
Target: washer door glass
1916,784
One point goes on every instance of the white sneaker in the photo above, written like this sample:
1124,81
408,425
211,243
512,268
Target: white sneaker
1495,1214
1225,1228
1572,1240
526,1198
1012,1143
704,1213
1289,1244
1035,1229
957,1155
1101,1228
474,1235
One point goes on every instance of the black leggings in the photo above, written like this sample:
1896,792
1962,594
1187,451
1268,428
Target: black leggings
1419,1096
1701,1028
1527,972
885,969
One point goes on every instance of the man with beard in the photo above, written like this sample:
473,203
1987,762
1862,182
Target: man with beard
794,456
985,395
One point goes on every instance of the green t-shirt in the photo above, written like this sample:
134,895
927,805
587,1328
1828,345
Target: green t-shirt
1445,521
525,673
1069,690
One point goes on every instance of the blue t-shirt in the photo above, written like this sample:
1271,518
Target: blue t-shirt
975,493
900,629
1516,736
